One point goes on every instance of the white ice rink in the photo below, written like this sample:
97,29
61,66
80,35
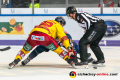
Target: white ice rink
49,64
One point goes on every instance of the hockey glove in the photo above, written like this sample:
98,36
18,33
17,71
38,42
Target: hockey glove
71,53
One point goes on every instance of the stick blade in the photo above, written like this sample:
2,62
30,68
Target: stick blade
4,49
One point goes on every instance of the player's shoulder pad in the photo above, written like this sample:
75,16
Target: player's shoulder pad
55,21
36,26
68,35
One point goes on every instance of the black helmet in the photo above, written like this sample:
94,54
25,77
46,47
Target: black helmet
61,20
70,9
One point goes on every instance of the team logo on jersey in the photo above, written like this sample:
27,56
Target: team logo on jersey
113,28
39,38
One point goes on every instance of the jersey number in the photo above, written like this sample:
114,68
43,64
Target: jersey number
47,24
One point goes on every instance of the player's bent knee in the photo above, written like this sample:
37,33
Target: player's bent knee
58,50
61,53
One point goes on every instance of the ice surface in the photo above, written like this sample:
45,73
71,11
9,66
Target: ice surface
49,63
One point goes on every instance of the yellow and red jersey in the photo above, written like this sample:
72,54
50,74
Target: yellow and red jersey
53,29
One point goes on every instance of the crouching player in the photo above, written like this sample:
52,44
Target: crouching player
40,49
45,34
76,49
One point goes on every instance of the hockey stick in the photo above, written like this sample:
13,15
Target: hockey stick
4,49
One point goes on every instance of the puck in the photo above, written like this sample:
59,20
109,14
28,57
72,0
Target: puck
95,67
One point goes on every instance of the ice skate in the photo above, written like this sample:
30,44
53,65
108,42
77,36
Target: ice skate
85,64
23,63
91,60
14,63
73,64
99,63
70,61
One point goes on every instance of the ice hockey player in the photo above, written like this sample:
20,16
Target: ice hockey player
45,34
40,49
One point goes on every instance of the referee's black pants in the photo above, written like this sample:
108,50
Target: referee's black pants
92,36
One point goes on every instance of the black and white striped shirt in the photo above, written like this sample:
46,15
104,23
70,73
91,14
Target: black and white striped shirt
85,20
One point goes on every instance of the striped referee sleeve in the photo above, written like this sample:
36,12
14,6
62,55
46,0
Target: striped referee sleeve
86,20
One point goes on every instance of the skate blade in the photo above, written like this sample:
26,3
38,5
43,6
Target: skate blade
73,65
99,65
84,66
11,67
